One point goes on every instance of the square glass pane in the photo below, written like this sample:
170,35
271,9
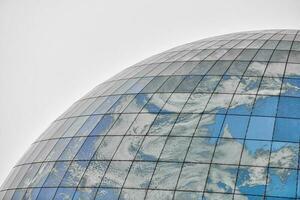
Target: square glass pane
265,106
188,84
107,193
289,107
235,126
287,130
184,121
56,174
256,153
141,124
156,102
221,178
116,174
228,151
256,69
74,174
104,125
163,124
275,69
208,84
154,84
122,124
284,154
282,183
237,68
159,194
228,84
270,86
132,194
210,125
94,173
201,150
249,85
261,128
292,70
202,68
241,104
85,193
175,103
137,104
66,193
218,103
151,148
107,147
196,103
128,148
165,176
219,68
140,175
193,177
251,180
175,149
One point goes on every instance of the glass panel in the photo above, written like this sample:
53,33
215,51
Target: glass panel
88,148
175,149
203,154
151,148
256,69
107,193
64,193
138,103
132,194
196,103
221,178
121,104
228,84
56,174
140,175
184,121
237,68
193,177
103,126
188,84
141,124
122,124
154,84
94,173
85,193
107,147
128,148
156,102
256,153
165,176
116,174
289,107
282,183
176,102
251,180
228,151
284,154
163,124
202,68
261,128
171,84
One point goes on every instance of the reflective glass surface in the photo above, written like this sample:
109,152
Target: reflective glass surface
217,118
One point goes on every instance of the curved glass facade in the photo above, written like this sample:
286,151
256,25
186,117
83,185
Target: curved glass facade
217,118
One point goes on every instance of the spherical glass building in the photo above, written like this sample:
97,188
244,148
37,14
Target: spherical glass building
217,118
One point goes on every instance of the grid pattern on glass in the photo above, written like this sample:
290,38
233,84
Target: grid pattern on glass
213,119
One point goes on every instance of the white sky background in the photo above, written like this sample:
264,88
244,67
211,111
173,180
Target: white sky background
52,52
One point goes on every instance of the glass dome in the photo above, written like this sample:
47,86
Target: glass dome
217,118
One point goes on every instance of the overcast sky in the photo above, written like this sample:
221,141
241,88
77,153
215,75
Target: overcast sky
52,52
